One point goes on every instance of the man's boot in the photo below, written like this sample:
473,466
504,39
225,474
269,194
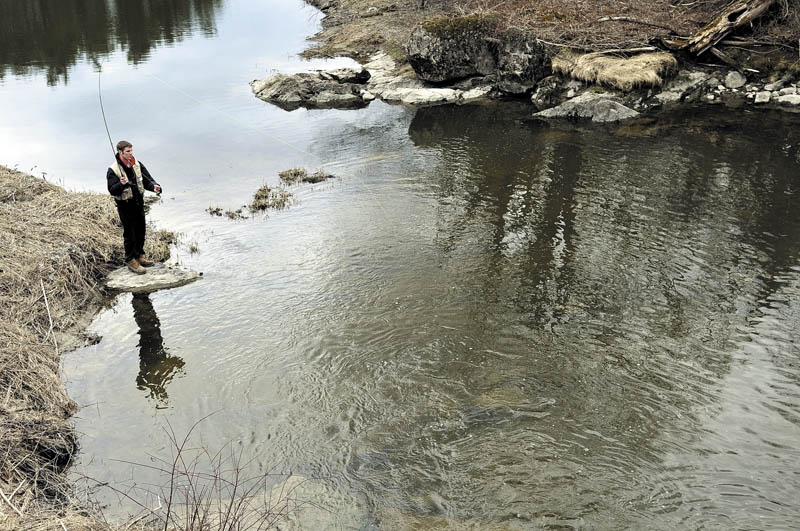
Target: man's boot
144,261
134,266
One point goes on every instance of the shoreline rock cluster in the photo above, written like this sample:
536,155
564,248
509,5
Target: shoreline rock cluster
462,59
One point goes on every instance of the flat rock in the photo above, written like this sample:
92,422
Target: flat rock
421,96
763,96
159,276
790,99
599,108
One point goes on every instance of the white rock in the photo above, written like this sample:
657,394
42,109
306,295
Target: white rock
571,93
421,96
257,85
710,97
790,99
763,96
735,80
476,93
367,95
788,90
159,276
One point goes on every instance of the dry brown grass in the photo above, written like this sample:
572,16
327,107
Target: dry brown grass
623,73
571,23
55,248
576,23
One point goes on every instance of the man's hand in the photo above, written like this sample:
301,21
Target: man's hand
123,179
157,188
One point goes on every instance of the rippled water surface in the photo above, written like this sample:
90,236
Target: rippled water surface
483,323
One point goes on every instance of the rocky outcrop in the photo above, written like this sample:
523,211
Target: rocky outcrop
447,49
342,88
597,107
391,84
348,88
451,48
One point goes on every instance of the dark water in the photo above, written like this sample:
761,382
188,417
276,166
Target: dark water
483,323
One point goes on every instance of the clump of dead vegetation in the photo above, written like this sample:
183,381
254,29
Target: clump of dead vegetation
293,175
624,73
55,248
270,198
301,175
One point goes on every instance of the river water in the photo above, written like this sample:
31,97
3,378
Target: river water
482,323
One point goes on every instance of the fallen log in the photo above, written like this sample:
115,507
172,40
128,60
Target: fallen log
734,16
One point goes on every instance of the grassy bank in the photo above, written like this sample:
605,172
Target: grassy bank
55,248
359,28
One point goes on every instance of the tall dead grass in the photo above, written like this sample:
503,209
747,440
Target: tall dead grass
55,248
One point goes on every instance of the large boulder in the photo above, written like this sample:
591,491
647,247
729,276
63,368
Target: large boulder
449,48
341,88
521,62
597,107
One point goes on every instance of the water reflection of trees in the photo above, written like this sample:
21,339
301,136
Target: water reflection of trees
631,261
53,35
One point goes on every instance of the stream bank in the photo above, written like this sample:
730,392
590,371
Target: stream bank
420,53
56,248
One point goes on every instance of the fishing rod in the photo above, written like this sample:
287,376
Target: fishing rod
105,122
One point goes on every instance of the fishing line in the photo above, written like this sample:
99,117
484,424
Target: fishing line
267,134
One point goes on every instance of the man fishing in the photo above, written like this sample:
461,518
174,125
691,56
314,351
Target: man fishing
127,181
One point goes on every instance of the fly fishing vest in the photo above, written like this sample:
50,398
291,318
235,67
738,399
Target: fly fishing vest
137,171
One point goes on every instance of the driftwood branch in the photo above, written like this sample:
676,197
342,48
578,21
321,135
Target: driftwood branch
725,58
734,16
635,21
595,50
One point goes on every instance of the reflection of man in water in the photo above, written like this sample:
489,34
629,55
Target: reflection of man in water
156,367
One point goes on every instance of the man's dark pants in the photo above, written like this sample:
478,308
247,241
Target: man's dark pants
131,215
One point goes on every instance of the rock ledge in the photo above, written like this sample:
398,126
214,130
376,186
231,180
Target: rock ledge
159,276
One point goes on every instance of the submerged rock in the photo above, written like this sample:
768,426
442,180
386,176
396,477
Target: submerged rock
598,107
159,276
